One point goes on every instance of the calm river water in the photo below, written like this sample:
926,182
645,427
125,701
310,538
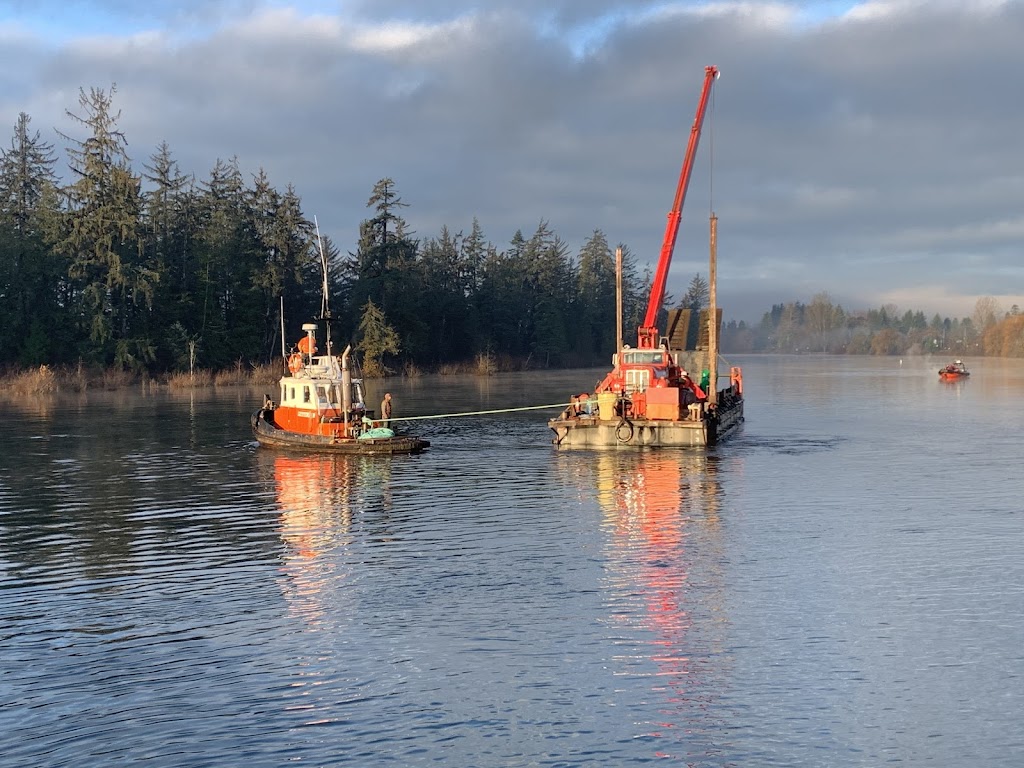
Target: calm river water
841,584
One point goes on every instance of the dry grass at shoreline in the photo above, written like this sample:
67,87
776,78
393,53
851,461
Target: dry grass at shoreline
41,380
47,379
194,380
484,364
51,380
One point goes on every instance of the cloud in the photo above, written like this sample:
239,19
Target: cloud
864,149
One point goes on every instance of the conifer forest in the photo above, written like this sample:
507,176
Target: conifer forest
151,270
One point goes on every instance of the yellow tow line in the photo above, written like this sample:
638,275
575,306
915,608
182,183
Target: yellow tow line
480,413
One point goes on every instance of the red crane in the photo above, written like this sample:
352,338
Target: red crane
647,334
648,399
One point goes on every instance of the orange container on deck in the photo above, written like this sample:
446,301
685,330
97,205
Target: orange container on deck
663,403
663,411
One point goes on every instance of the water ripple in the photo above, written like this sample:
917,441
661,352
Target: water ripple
808,594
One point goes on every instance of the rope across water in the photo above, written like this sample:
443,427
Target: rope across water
481,413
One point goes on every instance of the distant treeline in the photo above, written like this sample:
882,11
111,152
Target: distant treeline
824,327
157,272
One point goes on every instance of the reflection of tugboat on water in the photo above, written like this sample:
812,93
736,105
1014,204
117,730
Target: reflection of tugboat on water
954,371
321,406
649,399
313,494
318,495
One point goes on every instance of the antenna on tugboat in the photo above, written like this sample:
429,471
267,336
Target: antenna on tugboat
284,350
325,309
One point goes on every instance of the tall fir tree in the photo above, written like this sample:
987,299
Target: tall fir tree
385,270
697,296
595,324
170,225
31,274
103,238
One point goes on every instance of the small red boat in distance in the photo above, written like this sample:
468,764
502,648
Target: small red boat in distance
955,370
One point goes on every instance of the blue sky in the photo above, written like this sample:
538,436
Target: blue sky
864,149
62,22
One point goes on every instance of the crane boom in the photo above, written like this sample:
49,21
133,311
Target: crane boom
647,335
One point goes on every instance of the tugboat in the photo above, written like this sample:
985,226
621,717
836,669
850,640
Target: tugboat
954,371
649,399
321,406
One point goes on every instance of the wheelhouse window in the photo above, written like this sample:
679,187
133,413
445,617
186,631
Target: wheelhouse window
321,397
644,357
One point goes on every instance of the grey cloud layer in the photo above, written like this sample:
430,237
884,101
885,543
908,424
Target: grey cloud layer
873,156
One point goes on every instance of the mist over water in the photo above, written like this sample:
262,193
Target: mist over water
840,584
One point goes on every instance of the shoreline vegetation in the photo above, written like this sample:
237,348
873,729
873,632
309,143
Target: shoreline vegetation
51,379
47,379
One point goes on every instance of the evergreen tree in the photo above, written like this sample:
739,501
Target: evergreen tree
377,340
595,326
170,224
29,273
551,280
102,269
476,252
697,296
385,270
502,302
286,262
485,306
446,312
103,237
223,255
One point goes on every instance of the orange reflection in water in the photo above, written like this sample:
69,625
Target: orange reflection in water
652,501
313,493
315,496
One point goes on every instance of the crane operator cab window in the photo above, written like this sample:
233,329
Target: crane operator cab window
644,357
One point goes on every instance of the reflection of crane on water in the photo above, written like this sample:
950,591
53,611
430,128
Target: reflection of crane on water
650,503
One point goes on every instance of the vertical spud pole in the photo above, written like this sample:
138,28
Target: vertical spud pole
713,315
618,309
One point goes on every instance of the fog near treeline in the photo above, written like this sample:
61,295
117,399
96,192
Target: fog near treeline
824,327
151,270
